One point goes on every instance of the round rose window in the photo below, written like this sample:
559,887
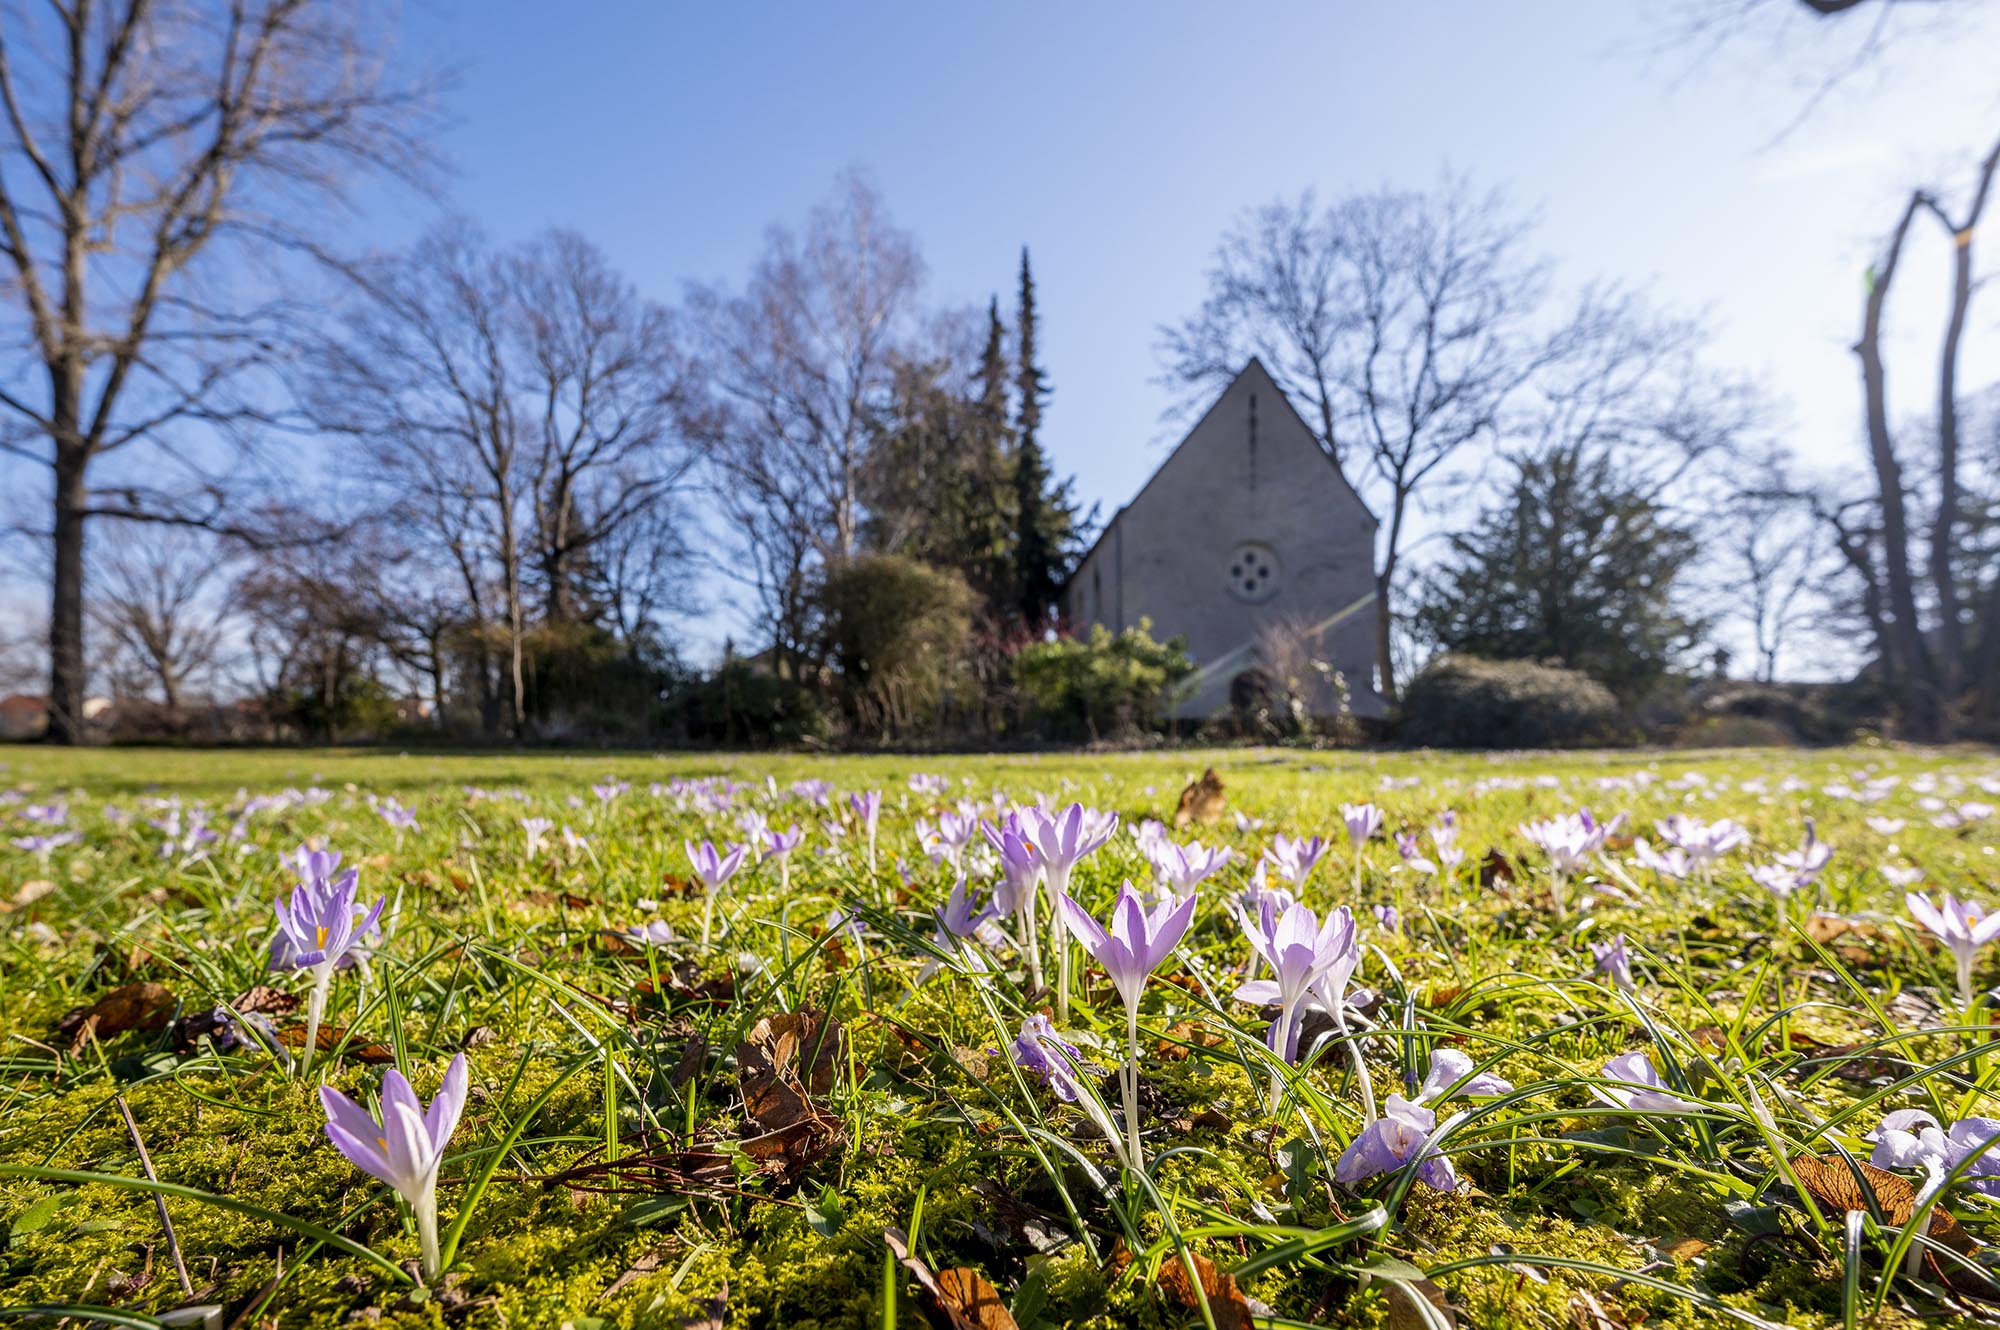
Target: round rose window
1252,571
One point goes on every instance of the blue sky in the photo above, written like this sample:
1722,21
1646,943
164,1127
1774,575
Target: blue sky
1118,140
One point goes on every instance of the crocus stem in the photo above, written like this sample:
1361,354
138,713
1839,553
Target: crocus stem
426,1212
1059,939
1287,1048
315,1009
1556,887
707,914
1030,930
1360,1069
1131,1079
1965,981
1913,1260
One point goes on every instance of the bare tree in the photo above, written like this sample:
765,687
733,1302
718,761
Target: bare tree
157,601
147,145
1777,556
600,363
315,626
1404,322
797,368
427,376
1930,680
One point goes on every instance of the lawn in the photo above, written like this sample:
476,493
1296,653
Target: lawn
1552,1066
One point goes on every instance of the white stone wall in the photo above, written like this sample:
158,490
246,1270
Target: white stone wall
1249,474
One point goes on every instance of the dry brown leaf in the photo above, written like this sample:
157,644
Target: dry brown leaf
1183,1037
1202,801
967,1299
1496,868
1227,1305
1587,1313
30,892
136,1006
1406,1312
1684,1249
329,1038
265,1001
785,1062
713,1313
1831,1180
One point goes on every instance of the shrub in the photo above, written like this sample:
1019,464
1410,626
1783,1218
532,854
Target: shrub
1727,731
1466,702
898,631
1106,684
740,704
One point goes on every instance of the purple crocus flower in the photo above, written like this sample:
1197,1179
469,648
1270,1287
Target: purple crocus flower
1294,859
1411,853
1062,841
405,1148
961,914
1673,862
608,790
316,932
1388,918
654,934
867,809
319,926
51,814
1019,890
1450,1075
398,816
1404,1132
1702,842
779,845
537,829
1810,859
1130,950
714,868
1642,1089
1054,1060
1300,950
42,845
1182,868
948,838
1912,1138
1363,821
1963,928
1137,940
1611,959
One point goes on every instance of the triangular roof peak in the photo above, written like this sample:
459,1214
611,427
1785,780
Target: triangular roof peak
1253,370
1259,377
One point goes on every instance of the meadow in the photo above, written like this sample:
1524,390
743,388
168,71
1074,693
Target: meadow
1590,1040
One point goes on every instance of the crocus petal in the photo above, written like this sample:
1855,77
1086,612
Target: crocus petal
1078,919
411,1158
1261,992
354,1133
441,1118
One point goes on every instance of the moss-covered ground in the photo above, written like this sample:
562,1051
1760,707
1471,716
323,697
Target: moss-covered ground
610,1171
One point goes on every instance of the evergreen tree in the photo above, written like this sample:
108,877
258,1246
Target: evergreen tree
1045,522
1577,565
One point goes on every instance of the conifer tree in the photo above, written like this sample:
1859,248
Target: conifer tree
1037,557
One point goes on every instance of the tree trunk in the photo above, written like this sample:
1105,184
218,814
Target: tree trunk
1944,531
1385,665
1923,713
67,682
